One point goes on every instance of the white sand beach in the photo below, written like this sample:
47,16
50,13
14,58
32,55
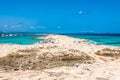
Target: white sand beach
59,57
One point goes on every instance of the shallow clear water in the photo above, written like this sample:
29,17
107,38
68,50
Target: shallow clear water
106,40
31,39
24,39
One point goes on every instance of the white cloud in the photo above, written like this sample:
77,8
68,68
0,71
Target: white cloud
42,27
59,27
5,25
11,27
16,27
20,27
80,12
37,27
31,27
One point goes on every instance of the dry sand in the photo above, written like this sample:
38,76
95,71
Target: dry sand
59,57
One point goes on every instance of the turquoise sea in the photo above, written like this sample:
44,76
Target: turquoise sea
31,39
101,39
21,39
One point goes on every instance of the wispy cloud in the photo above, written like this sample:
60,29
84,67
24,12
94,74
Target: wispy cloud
80,12
5,26
37,27
19,27
59,27
31,27
12,27
41,27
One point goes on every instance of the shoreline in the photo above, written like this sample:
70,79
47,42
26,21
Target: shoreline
43,37
60,55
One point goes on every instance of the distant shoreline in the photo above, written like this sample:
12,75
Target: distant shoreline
100,39
95,34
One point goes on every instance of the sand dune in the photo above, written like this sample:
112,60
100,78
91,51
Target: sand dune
60,57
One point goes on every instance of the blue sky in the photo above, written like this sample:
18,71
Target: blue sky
60,15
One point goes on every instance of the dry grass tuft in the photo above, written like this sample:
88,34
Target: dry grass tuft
30,60
109,52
